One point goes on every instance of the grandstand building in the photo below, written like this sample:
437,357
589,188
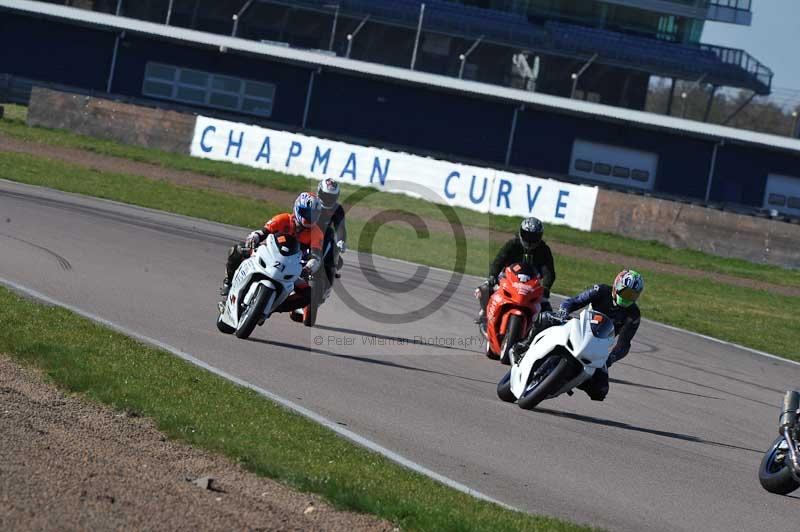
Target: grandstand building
615,45
285,65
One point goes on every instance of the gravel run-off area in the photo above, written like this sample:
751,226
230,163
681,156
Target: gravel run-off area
69,464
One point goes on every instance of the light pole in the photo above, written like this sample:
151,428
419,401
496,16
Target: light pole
238,15
685,94
463,57
576,75
795,133
351,36
416,39
169,12
335,7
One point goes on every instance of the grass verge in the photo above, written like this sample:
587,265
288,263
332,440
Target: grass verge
649,250
740,315
14,112
196,407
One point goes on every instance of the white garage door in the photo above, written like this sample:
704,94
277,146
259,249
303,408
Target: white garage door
782,194
613,164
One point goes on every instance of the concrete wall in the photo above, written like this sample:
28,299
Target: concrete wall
97,117
676,224
682,225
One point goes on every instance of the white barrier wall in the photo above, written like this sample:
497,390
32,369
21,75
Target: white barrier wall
475,188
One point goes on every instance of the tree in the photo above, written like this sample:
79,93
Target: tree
761,114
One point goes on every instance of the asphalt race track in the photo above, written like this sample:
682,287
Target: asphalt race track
676,445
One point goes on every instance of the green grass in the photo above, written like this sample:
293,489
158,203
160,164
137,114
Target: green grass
14,112
194,406
740,315
650,250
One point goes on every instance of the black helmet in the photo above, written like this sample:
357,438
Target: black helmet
530,232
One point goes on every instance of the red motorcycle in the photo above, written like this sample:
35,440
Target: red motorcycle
511,310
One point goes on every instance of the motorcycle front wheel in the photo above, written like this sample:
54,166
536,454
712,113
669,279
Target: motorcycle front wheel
224,327
253,312
511,337
775,474
550,375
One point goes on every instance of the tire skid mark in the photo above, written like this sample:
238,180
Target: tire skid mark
63,263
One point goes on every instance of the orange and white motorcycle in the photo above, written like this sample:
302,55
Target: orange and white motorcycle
511,310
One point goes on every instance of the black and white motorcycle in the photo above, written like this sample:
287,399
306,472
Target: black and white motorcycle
261,283
780,468
320,284
559,359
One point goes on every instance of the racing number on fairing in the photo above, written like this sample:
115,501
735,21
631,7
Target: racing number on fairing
278,266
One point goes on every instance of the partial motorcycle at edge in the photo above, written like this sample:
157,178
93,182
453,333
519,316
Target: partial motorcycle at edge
780,468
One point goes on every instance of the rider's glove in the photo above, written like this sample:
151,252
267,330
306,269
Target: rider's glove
560,314
312,265
342,245
253,239
518,350
491,280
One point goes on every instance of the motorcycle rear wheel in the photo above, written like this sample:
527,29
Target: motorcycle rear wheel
776,477
563,371
310,312
504,389
253,312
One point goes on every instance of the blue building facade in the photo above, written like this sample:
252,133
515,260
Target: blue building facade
536,139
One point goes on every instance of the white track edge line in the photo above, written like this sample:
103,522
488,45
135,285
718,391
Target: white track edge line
325,422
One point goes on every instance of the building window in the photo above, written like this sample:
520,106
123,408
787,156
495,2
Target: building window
583,165
621,171
779,200
640,175
209,90
602,168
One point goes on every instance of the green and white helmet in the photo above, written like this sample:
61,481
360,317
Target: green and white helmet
628,286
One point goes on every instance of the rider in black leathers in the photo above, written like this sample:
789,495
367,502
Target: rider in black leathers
526,247
332,223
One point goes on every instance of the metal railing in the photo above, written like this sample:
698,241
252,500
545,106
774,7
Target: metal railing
743,60
740,5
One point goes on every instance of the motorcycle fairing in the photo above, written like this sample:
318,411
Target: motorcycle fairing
267,266
575,338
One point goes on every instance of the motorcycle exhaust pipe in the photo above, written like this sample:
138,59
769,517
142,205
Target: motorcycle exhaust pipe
791,404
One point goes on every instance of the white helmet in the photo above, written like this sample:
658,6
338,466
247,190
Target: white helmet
328,193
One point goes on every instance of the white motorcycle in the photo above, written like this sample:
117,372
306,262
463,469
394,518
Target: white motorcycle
559,359
261,283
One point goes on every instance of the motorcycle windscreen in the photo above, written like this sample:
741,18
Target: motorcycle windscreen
602,325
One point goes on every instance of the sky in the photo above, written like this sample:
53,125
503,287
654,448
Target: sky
773,39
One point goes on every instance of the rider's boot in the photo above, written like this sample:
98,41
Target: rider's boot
480,321
339,266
